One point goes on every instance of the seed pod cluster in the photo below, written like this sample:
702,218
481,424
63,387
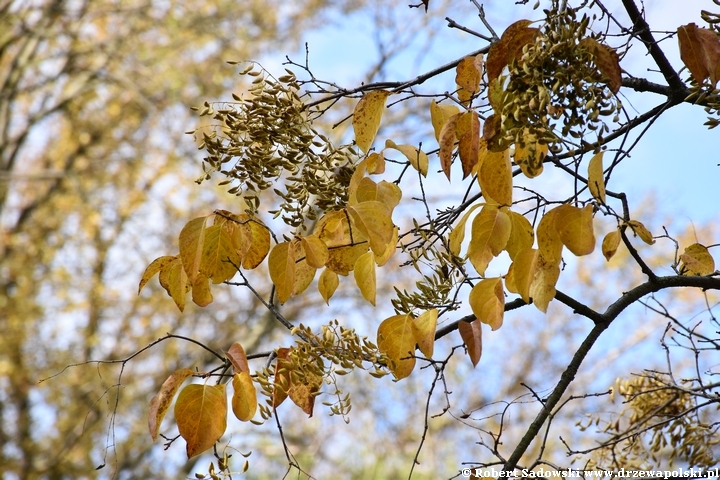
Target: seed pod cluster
560,85
265,140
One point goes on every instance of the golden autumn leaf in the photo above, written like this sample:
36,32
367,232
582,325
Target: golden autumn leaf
548,238
522,235
497,58
596,178
457,234
327,284
281,265
575,228
489,236
315,250
491,129
155,266
395,339
372,219
487,302
700,52
201,295
417,158
244,399
471,334
381,260
259,245
304,273
542,288
367,116
343,248
160,403
521,37
201,416
530,156
175,281
467,76
607,62
468,134
236,355
641,231
448,138
496,177
192,241
220,257
696,260
439,115
610,244
523,273
281,385
303,394
423,328
384,192
376,163
365,276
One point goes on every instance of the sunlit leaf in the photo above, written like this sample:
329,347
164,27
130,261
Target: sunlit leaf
521,234
641,231
192,241
384,192
244,399
156,266
315,250
201,416
548,238
175,281
160,403
523,273
439,115
417,158
471,334
327,284
365,276
395,339
542,289
448,138
457,234
260,245
423,327
487,301
596,178
496,177
367,116
530,156
490,233
610,244
372,219
696,260
467,76
281,265
376,163
201,295
381,260
220,257
343,248
281,385
304,273
468,133
575,228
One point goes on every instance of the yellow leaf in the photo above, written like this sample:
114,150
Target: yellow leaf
490,233
610,244
468,134
365,276
220,258
327,284
355,180
596,179
367,116
281,264
542,289
156,266
496,177
457,235
549,243
236,355
639,229
523,272
696,260
530,156
417,158
192,240
447,140
244,399
175,281
487,302
343,248
376,163
384,192
575,228
471,334
315,250
439,115
201,416
423,328
161,401
468,73
281,385
521,234
372,219
381,260
201,295
304,273
395,339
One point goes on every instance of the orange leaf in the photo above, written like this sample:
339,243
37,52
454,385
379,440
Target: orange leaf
236,355
471,334
447,141
161,401
201,416
700,52
281,386
395,339
303,394
468,131
607,62
439,115
497,58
